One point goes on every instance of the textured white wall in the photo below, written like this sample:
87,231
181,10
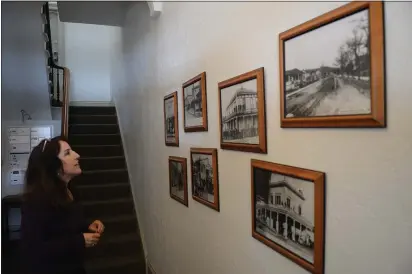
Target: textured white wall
23,62
87,53
368,218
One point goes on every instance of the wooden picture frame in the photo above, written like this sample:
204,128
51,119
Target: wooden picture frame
288,212
243,126
178,173
171,120
196,121
205,176
345,86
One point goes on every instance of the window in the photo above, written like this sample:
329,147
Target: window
277,200
271,199
300,210
288,202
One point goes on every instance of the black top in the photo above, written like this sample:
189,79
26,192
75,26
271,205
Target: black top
52,238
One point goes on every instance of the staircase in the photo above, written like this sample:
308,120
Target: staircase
104,191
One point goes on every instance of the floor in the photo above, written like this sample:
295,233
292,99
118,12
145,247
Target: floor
10,258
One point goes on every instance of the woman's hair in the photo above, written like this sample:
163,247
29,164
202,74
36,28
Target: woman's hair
42,179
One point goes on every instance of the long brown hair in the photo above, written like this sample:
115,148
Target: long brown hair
42,179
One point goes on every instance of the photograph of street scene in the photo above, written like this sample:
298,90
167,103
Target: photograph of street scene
177,176
193,105
327,70
170,120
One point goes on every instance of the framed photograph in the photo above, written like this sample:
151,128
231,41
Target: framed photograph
332,69
171,121
178,179
242,112
195,104
205,181
288,212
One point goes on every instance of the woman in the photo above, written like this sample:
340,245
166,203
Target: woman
54,233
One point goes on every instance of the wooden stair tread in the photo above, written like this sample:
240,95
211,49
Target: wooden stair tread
87,146
102,157
102,263
93,125
93,134
97,185
93,115
104,170
120,218
120,238
113,201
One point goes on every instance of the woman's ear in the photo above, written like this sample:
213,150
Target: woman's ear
60,172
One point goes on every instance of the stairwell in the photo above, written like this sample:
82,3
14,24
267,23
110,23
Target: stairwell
104,191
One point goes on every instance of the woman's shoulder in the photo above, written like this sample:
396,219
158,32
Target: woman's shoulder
36,201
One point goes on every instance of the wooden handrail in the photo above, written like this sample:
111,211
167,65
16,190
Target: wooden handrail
66,77
65,103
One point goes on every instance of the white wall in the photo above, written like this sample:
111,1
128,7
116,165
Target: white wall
23,76
87,53
368,220
23,62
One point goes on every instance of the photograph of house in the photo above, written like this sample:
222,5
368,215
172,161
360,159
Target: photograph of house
239,110
170,120
193,105
332,75
284,212
177,179
202,177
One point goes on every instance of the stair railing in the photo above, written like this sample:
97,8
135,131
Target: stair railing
58,76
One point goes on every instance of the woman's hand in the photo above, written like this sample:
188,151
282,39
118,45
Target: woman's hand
97,226
91,239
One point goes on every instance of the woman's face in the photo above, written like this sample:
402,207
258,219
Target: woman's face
70,160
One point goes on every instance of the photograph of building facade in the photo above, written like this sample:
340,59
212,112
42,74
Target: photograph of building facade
193,104
332,76
177,179
284,212
202,177
170,120
240,113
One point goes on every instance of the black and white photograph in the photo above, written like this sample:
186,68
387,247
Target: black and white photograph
193,105
194,102
285,212
178,179
327,70
170,120
242,112
288,211
204,176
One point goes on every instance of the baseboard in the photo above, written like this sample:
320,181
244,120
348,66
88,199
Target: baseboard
149,268
141,231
